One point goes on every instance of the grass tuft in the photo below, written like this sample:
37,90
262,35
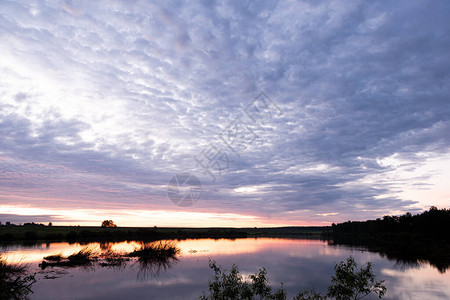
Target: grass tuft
156,250
84,257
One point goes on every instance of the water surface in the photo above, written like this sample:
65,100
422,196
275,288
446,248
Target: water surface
298,263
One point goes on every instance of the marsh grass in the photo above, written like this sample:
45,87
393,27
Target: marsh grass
84,257
15,283
152,258
156,250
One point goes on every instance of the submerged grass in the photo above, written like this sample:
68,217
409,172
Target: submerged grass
113,259
56,257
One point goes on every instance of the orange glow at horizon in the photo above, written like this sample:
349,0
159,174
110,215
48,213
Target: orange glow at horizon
147,218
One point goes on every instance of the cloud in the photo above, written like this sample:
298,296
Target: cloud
103,103
16,219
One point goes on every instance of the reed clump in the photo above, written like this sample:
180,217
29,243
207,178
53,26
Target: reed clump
84,257
155,250
154,253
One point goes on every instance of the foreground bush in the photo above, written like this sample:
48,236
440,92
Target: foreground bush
347,283
233,286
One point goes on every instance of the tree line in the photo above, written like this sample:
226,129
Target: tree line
434,223
408,238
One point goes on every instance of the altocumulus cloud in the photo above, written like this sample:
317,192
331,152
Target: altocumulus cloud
102,102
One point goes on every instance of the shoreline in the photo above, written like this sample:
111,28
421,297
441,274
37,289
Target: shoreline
17,233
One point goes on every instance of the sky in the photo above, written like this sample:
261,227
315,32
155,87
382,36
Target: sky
233,113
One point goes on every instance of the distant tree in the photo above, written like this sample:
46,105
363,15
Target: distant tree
347,283
108,223
50,224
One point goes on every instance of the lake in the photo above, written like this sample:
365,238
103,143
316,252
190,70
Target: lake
298,263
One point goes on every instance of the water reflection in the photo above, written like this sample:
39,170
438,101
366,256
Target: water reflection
299,264
155,257
405,255
149,269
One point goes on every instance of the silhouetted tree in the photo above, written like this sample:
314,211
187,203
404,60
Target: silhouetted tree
347,283
108,223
